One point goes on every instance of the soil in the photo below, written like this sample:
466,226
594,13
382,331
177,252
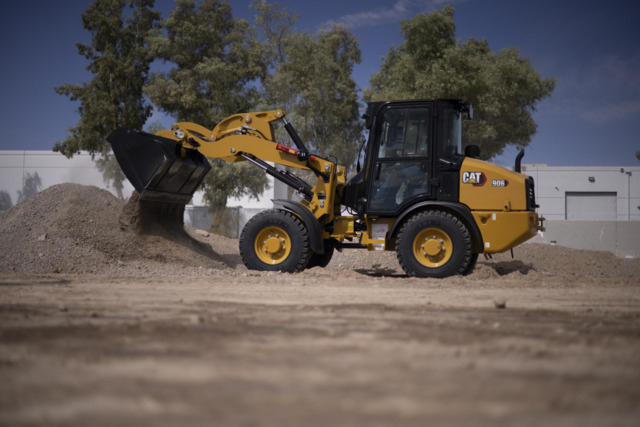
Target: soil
103,325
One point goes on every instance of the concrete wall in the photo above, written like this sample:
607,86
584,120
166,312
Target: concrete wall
23,173
620,237
553,183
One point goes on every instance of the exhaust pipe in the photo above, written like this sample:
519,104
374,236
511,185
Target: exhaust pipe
518,166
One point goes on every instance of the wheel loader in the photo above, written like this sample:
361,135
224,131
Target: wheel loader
417,194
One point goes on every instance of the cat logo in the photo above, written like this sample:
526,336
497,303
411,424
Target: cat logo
477,179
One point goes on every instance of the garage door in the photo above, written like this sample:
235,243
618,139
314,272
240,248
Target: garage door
591,206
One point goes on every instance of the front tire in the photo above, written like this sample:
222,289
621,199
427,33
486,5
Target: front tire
275,240
434,244
322,260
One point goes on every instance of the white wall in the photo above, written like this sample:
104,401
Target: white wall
554,182
618,237
49,168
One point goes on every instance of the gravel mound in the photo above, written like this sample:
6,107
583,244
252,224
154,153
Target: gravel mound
530,260
71,228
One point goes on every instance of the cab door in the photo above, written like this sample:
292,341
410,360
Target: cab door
401,158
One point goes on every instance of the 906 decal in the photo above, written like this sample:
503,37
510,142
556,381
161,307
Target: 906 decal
478,179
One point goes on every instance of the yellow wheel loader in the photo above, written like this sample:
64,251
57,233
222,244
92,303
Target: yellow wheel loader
417,194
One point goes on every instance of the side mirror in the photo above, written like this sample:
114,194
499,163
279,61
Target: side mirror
472,151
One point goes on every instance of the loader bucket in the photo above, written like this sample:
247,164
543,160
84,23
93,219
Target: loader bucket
155,167
164,180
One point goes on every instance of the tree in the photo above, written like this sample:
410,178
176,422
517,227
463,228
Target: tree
119,60
31,185
5,201
503,87
309,76
217,64
638,155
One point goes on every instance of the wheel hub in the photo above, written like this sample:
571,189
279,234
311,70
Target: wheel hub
432,247
272,245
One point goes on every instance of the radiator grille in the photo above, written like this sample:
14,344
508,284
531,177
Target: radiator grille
531,194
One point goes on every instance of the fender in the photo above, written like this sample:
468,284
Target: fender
461,211
310,221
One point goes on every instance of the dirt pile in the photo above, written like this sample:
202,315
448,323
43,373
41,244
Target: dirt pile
78,229
532,261
71,228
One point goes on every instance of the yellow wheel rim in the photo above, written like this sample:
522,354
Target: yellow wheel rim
272,245
432,247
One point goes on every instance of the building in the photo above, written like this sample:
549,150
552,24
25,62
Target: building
595,208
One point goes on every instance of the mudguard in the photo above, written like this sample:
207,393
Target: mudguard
310,221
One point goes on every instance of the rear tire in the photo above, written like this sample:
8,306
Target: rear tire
434,244
275,240
472,264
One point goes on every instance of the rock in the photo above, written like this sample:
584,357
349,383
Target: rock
500,303
202,233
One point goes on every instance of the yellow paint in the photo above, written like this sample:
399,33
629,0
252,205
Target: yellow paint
432,247
492,194
252,133
503,230
272,245
495,195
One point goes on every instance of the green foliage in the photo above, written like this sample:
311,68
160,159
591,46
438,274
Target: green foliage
5,201
216,65
503,87
232,180
309,76
31,185
154,127
119,61
111,172
216,62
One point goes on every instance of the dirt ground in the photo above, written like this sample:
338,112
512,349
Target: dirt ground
102,326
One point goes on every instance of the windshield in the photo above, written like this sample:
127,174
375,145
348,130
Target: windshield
450,139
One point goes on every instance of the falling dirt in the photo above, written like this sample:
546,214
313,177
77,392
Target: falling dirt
102,325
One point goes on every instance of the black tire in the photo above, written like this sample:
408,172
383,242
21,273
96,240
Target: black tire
275,240
472,265
322,260
434,244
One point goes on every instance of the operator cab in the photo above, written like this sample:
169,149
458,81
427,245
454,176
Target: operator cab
413,154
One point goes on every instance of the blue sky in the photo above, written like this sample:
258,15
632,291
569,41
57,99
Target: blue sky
592,48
